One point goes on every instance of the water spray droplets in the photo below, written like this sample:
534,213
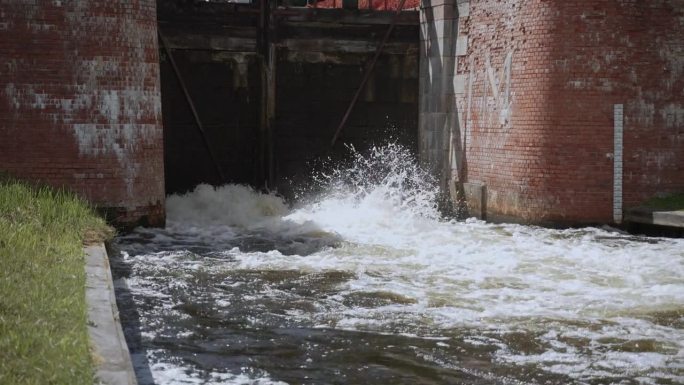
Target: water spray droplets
386,173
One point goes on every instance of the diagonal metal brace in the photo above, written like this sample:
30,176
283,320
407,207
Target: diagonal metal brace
200,127
368,72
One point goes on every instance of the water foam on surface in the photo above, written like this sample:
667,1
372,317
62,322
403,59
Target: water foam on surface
370,254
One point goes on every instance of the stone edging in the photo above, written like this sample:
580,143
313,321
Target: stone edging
112,359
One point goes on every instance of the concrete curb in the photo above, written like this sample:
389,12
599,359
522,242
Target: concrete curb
671,218
113,361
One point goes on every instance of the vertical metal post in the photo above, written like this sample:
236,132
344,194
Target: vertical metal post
267,50
618,116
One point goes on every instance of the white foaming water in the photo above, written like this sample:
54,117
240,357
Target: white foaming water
170,373
230,205
588,296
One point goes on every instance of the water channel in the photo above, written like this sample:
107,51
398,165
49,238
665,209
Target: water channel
361,282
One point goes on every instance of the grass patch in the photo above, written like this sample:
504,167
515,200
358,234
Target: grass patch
43,314
670,202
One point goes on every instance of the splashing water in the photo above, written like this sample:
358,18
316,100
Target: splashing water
365,284
388,174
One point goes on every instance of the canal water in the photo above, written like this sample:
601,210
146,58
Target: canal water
362,282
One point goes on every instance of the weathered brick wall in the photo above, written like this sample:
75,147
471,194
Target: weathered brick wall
80,102
535,87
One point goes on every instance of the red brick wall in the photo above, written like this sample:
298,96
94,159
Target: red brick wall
80,102
543,145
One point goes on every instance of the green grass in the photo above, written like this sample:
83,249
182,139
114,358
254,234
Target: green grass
671,202
43,320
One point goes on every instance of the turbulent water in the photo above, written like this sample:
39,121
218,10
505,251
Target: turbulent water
362,282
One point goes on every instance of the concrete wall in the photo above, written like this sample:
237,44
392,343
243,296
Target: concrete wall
438,115
539,87
80,104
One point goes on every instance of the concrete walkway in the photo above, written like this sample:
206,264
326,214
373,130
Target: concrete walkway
112,359
651,216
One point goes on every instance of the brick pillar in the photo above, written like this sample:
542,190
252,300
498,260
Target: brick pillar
80,102
537,84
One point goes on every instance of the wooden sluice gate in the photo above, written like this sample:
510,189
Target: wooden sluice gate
270,86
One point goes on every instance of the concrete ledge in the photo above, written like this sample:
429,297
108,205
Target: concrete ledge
476,199
112,359
655,217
